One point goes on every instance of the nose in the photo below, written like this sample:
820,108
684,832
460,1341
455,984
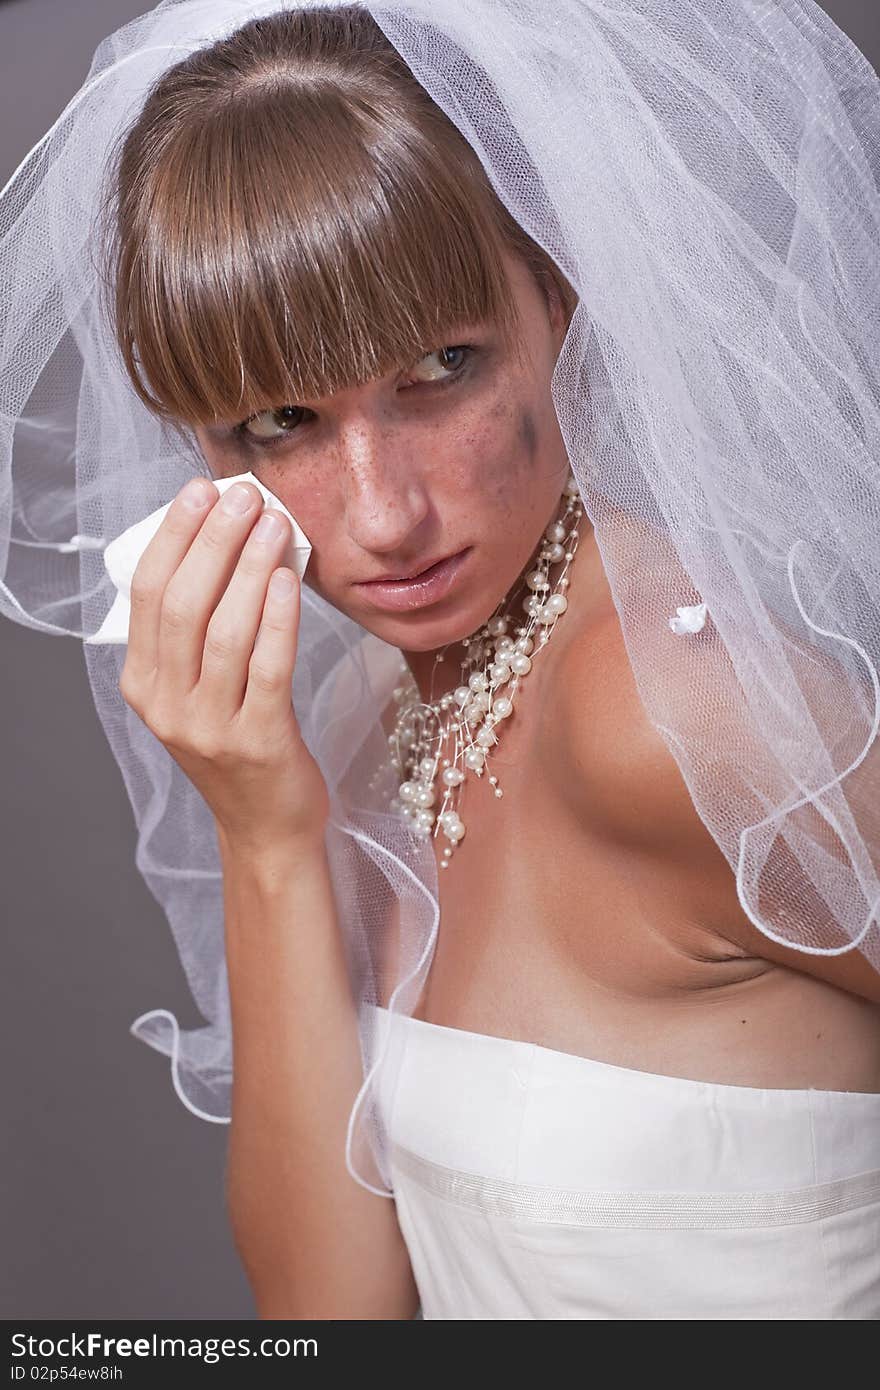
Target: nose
384,494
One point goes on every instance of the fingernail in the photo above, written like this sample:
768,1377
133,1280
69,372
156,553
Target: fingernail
281,585
237,500
196,494
269,527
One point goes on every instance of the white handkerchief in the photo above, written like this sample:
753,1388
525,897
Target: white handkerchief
122,554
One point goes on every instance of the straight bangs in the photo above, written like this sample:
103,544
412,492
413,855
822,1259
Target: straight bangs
293,242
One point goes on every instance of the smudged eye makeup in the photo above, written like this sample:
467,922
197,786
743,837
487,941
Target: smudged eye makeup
268,428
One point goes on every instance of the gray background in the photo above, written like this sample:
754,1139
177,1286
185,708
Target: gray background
112,1193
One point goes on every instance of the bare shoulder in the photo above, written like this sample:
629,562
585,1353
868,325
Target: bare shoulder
621,779
616,766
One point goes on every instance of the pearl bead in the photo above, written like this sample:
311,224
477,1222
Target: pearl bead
424,797
474,758
453,776
555,553
571,488
487,737
478,681
482,700
497,626
424,819
521,664
530,604
462,693
525,644
564,582
406,791
500,672
537,580
502,707
455,833
426,767
557,603
505,644
555,532
545,614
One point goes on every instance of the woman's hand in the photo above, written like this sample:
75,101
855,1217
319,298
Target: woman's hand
211,651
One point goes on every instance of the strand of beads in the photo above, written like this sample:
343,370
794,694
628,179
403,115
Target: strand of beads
494,665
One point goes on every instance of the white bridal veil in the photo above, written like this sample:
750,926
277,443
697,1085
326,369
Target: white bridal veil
705,174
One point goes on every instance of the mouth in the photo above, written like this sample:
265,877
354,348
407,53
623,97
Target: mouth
426,587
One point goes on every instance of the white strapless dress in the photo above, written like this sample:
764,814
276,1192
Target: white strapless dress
531,1183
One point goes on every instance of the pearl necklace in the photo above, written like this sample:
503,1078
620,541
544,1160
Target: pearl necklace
468,718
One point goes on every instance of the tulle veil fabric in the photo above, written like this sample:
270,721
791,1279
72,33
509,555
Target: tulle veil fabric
705,174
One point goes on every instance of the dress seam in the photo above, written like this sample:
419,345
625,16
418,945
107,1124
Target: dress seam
660,1209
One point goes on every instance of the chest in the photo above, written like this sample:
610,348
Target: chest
589,910
585,866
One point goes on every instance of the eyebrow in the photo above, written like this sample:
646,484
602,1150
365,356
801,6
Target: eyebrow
224,433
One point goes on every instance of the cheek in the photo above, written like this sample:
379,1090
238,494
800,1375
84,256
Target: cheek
305,495
301,494
528,436
502,451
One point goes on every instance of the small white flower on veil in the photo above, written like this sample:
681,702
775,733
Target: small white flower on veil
688,619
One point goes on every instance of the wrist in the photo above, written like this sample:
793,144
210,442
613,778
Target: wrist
265,855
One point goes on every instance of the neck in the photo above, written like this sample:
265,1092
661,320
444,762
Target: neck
438,671
445,733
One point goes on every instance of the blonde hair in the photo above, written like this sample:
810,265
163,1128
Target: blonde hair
293,215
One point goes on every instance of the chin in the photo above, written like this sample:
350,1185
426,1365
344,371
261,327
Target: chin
427,633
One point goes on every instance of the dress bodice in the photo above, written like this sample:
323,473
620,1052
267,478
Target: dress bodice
532,1183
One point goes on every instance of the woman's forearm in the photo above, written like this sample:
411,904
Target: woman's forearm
313,1241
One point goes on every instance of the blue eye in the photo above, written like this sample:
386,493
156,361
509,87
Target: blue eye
445,353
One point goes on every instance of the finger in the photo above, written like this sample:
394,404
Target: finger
157,564
197,586
270,674
232,630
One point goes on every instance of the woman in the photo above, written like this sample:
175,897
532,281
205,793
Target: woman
607,1092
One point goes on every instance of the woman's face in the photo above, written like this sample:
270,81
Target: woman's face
461,450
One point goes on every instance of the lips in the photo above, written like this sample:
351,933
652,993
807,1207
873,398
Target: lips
410,574
428,587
